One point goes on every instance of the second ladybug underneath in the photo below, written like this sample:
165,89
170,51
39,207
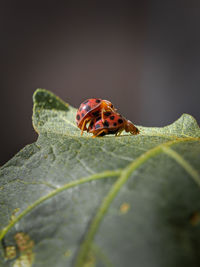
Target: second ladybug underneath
114,123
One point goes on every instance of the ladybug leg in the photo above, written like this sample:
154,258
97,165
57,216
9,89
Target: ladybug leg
83,126
100,132
113,110
119,132
102,114
89,121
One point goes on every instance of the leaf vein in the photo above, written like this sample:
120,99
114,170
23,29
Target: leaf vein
85,166
125,174
116,156
67,121
28,183
101,175
184,164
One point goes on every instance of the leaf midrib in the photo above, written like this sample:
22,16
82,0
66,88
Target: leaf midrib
125,175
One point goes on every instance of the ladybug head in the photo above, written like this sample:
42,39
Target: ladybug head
130,127
108,105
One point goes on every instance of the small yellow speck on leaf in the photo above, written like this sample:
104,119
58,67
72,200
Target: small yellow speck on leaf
10,252
195,218
124,208
67,253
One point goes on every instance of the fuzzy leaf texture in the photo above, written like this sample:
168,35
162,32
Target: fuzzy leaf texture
128,201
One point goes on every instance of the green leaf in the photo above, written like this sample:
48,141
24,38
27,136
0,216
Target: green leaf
110,201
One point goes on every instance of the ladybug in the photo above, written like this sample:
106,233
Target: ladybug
114,123
90,109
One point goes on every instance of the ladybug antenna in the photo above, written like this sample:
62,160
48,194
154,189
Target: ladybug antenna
130,127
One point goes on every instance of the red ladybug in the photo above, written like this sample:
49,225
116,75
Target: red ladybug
114,123
90,109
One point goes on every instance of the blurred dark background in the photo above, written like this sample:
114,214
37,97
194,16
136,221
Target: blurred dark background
144,56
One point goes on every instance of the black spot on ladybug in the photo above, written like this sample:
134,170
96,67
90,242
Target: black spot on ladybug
97,126
107,114
106,123
99,118
82,114
112,106
80,108
85,102
91,124
88,108
112,117
78,117
120,121
98,101
114,124
95,114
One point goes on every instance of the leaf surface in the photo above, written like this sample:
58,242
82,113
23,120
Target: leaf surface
110,201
